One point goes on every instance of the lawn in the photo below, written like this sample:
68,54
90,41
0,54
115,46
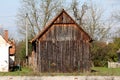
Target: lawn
25,72
104,71
98,71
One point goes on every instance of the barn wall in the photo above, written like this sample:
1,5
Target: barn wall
64,56
64,32
62,49
62,46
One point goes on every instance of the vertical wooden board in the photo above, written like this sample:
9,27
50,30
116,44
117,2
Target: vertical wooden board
40,53
58,32
50,55
75,53
63,32
66,54
63,55
55,33
89,60
72,54
39,56
43,55
60,19
76,62
57,56
43,52
78,35
82,54
87,56
36,56
61,48
69,50
78,55
47,56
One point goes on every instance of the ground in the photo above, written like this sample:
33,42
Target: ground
96,71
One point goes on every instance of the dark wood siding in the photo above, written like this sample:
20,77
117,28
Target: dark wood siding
63,32
64,56
63,47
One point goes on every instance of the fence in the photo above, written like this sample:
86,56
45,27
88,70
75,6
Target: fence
113,65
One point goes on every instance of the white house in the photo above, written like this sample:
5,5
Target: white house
4,55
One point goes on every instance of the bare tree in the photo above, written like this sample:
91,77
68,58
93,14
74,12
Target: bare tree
116,20
95,25
1,30
79,13
89,17
116,16
39,12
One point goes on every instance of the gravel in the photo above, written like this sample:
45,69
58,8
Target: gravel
59,77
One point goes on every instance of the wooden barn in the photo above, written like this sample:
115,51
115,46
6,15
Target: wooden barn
62,46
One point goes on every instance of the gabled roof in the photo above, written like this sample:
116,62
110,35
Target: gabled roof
54,20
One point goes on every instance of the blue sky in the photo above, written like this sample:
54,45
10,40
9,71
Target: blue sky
9,9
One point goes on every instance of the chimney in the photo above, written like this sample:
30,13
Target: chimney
6,35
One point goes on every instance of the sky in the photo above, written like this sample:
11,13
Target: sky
10,8
8,11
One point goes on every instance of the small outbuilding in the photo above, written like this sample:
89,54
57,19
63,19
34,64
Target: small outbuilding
62,46
7,53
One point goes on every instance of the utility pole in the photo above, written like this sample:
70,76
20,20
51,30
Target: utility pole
26,39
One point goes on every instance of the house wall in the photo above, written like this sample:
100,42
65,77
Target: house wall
4,58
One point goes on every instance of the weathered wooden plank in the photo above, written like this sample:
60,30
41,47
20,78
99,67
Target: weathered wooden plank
72,54
63,47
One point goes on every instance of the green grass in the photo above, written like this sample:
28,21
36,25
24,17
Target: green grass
25,72
100,71
104,71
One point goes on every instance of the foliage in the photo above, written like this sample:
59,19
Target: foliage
102,53
21,50
99,55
